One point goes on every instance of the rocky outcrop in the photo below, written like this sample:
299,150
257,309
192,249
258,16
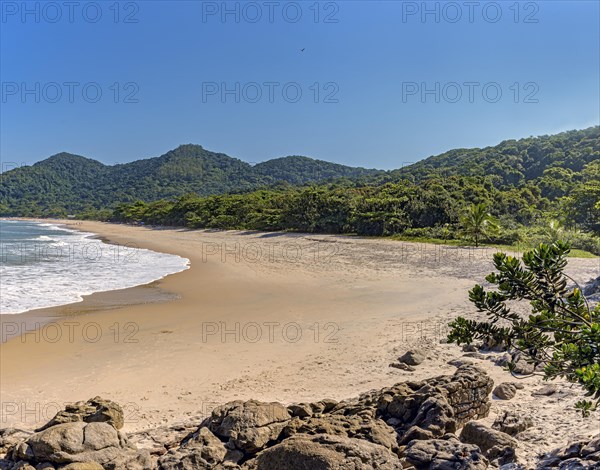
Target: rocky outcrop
505,391
495,444
95,410
432,408
512,423
325,452
248,426
384,429
441,454
575,455
79,442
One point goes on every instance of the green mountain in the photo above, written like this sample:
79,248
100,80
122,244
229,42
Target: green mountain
552,161
519,178
72,183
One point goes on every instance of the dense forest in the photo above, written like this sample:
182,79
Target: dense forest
532,188
72,184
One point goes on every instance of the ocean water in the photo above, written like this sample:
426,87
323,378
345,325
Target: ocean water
44,265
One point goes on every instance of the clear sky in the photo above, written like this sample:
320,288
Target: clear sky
382,84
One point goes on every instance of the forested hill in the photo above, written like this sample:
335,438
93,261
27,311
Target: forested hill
531,172
71,183
554,161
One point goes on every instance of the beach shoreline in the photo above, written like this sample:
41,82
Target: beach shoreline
270,316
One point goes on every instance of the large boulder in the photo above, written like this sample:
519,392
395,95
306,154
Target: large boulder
325,452
248,426
574,455
412,358
11,436
202,450
494,444
80,442
444,454
95,410
343,422
505,391
512,423
434,407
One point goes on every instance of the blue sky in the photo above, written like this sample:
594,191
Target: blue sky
382,84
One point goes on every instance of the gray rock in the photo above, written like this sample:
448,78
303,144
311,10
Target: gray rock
434,407
494,444
505,391
545,391
412,358
403,366
201,450
460,362
301,410
95,410
325,452
248,426
344,422
82,466
444,454
512,423
81,442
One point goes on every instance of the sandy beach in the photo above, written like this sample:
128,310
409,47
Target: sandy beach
285,317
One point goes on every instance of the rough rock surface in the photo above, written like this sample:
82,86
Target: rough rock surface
79,442
202,450
575,455
248,426
432,408
494,444
512,423
325,452
445,454
380,429
412,358
95,410
505,391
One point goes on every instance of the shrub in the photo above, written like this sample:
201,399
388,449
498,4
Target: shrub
562,333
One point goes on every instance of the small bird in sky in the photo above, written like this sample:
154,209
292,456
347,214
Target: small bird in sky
302,50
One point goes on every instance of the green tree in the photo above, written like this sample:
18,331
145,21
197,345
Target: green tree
478,223
562,333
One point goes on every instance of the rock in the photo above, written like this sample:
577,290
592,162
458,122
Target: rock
81,442
83,466
492,345
460,362
11,436
344,422
95,410
201,450
545,391
159,440
512,423
432,408
442,454
403,366
592,447
494,444
248,426
412,358
325,452
575,455
505,391
301,410
592,287
475,355
520,364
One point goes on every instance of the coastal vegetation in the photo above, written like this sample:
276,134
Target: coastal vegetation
520,192
561,335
